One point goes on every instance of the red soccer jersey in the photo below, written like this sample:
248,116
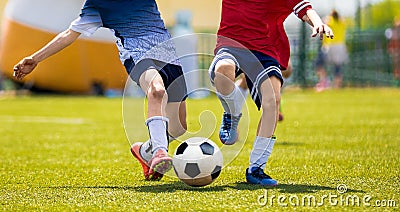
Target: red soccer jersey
258,25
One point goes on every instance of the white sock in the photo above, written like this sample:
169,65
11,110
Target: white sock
244,91
158,126
145,151
262,149
233,102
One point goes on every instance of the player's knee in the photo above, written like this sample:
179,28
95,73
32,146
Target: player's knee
270,101
156,90
225,67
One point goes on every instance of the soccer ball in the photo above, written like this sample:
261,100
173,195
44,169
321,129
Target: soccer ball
197,161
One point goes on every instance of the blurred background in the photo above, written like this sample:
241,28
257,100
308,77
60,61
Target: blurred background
92,66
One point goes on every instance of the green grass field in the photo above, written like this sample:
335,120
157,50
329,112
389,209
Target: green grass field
71,153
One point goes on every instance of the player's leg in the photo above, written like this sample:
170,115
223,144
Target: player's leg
320,63
242,85
285,74
271,97
225,76
338,76
177,126
323,82
270,90
175,110
231,99
154,151
176,113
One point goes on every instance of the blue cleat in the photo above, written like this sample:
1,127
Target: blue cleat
257,176
228,133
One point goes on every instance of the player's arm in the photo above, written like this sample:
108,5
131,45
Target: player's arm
28,64
312,18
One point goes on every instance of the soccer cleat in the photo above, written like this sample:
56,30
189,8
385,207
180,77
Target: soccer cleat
160,163
228,133
257,176
135,149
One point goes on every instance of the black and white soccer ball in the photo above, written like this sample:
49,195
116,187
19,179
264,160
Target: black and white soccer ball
198,161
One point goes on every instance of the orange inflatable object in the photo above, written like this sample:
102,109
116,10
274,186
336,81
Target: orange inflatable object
28,25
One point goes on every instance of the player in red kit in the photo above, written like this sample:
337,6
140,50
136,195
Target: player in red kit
252,40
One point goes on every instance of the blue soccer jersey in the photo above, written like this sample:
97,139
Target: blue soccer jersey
137,25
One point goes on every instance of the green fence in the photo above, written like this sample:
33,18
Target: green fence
369,62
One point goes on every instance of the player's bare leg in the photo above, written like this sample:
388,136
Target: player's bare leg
176,113
323,82
231,99
271,98
262,148
225,76
152,84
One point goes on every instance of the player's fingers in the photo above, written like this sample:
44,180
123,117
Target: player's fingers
17,67
327,31
21,76
331,35
321,32
314,32
16,70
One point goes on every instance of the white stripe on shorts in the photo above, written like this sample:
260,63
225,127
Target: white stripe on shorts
219,57
254,91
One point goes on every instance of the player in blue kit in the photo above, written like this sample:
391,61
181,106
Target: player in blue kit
149,58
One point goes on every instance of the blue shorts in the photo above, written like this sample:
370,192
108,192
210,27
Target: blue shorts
171,74
256,66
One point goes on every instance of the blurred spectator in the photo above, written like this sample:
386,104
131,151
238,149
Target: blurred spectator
393,35
333,52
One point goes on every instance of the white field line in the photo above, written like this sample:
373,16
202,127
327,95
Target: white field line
42,119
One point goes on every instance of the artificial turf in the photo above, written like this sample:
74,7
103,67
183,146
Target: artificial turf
71,153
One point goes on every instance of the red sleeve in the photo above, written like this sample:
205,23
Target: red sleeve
299,7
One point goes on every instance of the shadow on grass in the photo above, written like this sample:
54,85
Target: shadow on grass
290,188
178,186
155,188
170,187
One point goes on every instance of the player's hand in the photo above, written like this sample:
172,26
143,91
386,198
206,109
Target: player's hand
322,30
24,67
